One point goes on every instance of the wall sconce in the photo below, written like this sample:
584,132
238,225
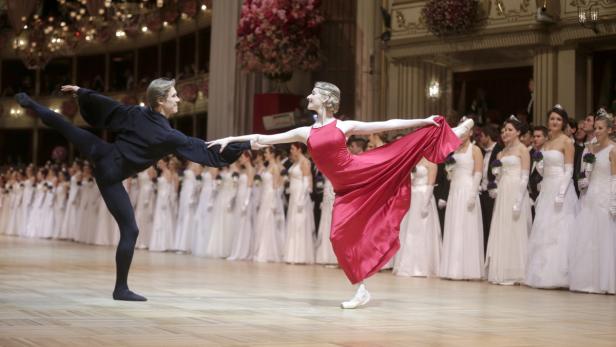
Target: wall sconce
434,90
16,112
589,18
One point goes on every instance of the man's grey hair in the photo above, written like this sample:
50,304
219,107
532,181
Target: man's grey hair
158,91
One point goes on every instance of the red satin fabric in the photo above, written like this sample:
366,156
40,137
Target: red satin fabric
373,191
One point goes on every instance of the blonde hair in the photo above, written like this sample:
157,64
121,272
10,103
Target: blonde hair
333,95
157,90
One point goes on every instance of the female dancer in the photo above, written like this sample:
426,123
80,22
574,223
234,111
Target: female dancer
372,189
143,136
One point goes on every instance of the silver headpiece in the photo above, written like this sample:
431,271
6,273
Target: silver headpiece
329,88
514,118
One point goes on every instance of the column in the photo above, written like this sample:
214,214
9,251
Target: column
544,76
366,77
222,119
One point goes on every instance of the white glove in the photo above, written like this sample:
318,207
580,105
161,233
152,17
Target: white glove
474,191
583,183
426,207
564,184
613,195
539,167
493,193
441,204
246,201
517,206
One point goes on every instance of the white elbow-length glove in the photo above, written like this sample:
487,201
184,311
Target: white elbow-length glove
517,206
304,192
613,195
426,206
539,167
564,184
246,201
475,191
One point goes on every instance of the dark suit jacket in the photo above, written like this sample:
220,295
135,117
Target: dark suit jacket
577,162
143,136
533,179
497,149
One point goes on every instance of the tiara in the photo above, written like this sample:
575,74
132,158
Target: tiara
601,112
514,118
559,106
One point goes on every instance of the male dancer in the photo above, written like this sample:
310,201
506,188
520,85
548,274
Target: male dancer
143,136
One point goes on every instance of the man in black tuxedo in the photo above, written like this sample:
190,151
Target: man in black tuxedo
579,144
441,192
540,135
490,147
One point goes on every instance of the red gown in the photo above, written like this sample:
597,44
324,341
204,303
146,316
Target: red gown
373,191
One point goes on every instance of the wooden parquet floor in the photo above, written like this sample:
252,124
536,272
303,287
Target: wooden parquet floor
56,293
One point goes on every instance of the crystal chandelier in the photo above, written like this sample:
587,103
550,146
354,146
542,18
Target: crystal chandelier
40,37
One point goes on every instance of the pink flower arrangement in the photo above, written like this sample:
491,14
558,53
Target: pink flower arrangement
278,36
189,92
451,17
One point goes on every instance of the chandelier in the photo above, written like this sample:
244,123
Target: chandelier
56,28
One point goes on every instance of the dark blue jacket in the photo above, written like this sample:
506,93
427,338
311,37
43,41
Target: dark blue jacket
143,137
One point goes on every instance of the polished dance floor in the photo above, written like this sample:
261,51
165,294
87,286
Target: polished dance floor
56,293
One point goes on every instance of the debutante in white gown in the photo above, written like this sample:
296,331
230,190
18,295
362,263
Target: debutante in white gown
33,223
12,226
325,252
88,209
5,197
47,215
162,238
107,230
241,248
548,246
506,253
144,208
59,208
269,224
70,221
222,229
592,263
463,233
299,245
185,226
25,205
203,214
420,237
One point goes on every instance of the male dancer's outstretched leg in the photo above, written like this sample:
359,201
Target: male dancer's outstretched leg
114,195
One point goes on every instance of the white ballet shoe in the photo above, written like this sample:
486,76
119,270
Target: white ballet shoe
464,127
362,296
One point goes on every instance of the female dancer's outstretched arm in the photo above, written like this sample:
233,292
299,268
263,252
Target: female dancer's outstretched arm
294,135
348,127
351,127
